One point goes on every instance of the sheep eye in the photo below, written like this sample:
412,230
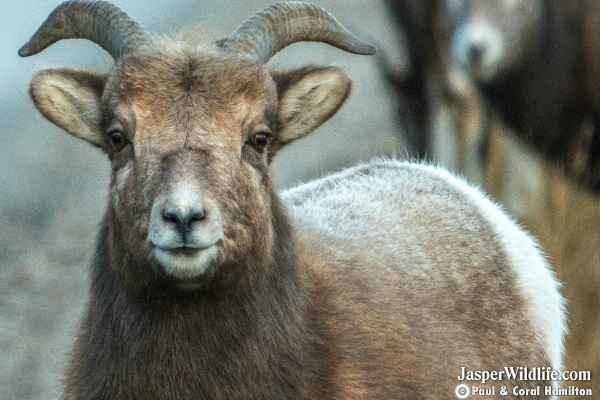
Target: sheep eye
118,140
259,140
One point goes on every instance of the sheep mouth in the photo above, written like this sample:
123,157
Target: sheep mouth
184,251
186,262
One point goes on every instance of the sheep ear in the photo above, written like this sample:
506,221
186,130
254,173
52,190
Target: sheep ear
308,96
70,99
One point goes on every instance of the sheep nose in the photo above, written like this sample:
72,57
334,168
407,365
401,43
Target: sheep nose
183,218
476,52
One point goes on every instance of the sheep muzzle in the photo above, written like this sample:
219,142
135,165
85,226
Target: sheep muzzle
184,232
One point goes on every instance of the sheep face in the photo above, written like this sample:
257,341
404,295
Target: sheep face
491,37
190,135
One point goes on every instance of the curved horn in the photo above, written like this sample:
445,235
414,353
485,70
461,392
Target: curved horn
99,21
277,26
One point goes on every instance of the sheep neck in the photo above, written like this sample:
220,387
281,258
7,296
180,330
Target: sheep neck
264,343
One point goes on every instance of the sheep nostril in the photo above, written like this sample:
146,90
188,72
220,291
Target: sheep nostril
172,216
183,219
195,215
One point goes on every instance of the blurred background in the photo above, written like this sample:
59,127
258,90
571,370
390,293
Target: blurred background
451,83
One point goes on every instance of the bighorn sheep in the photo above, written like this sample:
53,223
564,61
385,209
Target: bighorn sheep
535,63
379,282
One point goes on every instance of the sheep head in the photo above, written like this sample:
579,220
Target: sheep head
489,38
190,130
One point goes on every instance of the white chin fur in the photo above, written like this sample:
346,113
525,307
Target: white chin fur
186,266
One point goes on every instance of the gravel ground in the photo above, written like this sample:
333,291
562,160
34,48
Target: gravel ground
53,188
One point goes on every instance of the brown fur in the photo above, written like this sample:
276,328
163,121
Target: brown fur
142,336
564,217
280,313
389,307
547,84
541,88
215,343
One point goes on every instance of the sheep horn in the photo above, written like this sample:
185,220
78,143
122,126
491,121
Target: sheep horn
99,21
279,25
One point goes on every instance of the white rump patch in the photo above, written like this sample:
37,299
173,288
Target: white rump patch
536,282
535,277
